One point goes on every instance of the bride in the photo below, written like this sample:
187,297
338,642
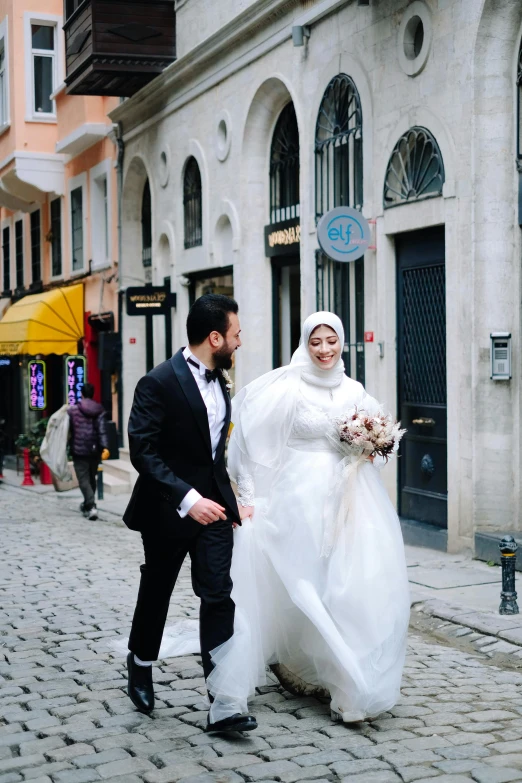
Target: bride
320,582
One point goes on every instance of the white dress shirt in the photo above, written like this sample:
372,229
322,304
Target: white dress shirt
214,400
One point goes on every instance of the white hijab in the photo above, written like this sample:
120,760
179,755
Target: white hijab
310,372
263,412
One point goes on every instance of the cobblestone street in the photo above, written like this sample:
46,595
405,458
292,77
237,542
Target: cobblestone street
67,586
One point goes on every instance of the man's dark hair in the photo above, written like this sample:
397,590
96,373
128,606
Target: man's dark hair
88,391
209,313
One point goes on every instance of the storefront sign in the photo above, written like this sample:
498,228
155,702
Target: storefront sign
149,300
37,385
75,378
344,234
283,239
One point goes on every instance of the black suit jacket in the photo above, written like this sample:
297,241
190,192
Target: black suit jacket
170,447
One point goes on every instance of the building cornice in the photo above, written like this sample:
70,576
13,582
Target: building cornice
200,69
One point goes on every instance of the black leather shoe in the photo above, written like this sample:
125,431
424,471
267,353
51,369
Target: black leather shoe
141,687
234,723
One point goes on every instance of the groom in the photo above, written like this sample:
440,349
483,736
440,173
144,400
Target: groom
183,502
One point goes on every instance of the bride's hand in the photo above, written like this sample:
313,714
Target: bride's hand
245,511
371,458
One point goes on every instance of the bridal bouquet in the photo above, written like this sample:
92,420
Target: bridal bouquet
364,434
357,435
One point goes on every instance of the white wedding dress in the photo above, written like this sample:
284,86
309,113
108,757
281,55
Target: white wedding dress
337,621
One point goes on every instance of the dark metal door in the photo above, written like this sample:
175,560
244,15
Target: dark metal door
421,332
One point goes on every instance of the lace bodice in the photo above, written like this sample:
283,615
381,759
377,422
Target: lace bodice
312,419
309,422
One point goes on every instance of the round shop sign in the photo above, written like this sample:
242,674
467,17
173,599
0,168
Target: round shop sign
344,234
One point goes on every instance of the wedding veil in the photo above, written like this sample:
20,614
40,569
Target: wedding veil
263,412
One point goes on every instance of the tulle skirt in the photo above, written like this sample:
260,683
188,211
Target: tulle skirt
338,622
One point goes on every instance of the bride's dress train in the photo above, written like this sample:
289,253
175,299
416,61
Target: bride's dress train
340,621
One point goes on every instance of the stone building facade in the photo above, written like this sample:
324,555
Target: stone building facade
405,110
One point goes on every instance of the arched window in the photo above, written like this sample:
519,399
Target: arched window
192,204
146,226
338,147
339,183
415,170
519,108
284,167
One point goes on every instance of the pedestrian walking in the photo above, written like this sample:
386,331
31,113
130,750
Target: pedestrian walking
89,443
183,502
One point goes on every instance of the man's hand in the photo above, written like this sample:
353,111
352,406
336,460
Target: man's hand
205,512
245,511
105,454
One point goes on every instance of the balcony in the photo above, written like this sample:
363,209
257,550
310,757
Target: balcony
116,47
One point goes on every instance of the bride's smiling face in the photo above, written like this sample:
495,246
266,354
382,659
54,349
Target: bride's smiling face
324,347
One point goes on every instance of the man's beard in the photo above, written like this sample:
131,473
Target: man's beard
223,358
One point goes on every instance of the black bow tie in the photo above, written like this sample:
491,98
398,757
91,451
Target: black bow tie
210,375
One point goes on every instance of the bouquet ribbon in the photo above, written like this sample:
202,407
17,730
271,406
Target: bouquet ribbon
339,502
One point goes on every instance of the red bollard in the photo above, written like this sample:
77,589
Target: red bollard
45,474
28,481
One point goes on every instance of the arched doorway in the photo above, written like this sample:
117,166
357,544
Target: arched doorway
415,173
283,236
339,183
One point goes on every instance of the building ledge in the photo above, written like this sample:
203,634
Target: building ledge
423,534
31,176
82,138
486,545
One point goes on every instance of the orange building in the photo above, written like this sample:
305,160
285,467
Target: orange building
58,219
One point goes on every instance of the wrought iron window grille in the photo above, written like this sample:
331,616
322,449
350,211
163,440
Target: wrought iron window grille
193,204
424,330
415,169
339,182
338,148
284,167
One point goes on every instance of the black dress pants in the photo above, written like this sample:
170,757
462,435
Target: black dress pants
210,552
86,469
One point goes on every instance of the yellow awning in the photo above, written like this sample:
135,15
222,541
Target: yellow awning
50,322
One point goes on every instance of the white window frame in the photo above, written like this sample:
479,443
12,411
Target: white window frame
19,216
49,20
62,243
4,36
77,182
103,171
8,223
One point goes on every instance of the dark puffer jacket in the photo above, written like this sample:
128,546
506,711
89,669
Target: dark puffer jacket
88,431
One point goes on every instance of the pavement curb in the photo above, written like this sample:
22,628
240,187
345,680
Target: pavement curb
490,633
